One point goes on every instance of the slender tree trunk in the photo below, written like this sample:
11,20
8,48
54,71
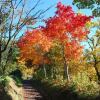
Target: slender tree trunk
45,72
66,71
52,73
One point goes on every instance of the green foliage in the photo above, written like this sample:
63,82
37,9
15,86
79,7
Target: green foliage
18,81
56,57
9,60
92,54
3,81
84,87
8,69
89,4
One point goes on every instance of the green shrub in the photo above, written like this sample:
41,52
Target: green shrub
84,87
3,81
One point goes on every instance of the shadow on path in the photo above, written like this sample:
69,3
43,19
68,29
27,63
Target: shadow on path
31,92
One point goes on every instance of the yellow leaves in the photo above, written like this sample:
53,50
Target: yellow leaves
26,71
91,71
97,33
89,24
79,12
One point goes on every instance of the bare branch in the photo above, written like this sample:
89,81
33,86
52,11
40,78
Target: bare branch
18,4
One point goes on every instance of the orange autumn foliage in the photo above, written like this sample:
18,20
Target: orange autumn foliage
66,26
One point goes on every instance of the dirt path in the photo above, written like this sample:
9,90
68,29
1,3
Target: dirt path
31,92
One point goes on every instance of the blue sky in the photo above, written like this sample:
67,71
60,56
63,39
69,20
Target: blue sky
44,4
47,3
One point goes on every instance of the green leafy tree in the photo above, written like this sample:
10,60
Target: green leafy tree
93,53
14,17
94,5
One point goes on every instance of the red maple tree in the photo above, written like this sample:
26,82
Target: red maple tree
66,26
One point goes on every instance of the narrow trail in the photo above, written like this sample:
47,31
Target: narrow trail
31,92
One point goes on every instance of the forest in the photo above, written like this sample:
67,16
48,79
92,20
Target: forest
49,50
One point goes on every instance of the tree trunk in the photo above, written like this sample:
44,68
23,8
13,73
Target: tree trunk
52,73
66,71
45,72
